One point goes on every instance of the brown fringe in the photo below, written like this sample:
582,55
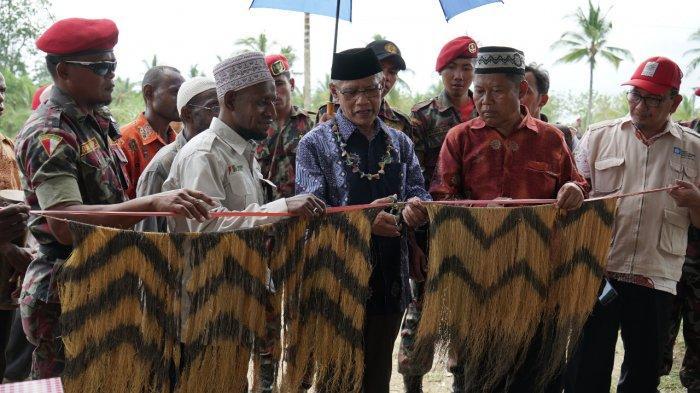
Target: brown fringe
119,311
509,272
324,298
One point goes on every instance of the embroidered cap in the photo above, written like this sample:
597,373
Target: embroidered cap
191,88
239,72
500,60
656,75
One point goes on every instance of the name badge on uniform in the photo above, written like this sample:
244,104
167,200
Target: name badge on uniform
89,146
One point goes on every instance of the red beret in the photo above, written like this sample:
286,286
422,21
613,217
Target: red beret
277,64
459,47
697,91
76,35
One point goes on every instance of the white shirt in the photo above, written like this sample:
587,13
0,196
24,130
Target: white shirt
221,164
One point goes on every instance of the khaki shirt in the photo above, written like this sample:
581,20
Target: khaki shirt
151,181
221,164
650,231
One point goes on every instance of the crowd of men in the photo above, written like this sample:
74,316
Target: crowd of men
244,146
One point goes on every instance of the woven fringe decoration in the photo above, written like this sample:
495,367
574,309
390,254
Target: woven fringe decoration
496,275
119,292
325,287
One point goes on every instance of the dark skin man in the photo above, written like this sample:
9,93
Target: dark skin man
197,114
250,112
90,91
160,96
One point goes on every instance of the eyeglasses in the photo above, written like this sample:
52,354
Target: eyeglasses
369,92
100,68
649,101
212,109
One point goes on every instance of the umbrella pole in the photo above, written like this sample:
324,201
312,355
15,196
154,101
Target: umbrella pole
330,107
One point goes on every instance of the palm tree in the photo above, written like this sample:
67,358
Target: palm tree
258,43
150,63
307,60
694,62
590,42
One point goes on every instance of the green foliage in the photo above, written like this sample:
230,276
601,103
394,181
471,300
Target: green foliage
695,61
21,22
18,102
127,101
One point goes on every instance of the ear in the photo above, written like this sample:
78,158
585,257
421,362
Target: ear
334,92
544,99
186,114
676,101
230,100
147,93
522,89
292,82
62,70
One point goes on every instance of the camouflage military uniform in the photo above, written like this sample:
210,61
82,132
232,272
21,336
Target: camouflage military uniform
430,121
391,117
276,154
687,309
65,156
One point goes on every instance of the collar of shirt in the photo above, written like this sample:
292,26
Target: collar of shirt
443,102
671,128
149,135
230,137
346,127
102,119
528,122
6,140
386,112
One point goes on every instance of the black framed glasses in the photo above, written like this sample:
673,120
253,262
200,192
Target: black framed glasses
100,68
369,92
649,101
213,109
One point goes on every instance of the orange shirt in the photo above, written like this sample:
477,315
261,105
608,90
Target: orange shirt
140,142
477,162
9,172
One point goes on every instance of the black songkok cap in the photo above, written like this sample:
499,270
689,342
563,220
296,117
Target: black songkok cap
353,64
500,60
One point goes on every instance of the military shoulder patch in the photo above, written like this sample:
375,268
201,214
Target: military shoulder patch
50,142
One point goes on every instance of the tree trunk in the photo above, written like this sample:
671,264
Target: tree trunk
590,95
307,60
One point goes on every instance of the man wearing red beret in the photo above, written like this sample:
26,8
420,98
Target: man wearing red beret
70,161
430,121
644,150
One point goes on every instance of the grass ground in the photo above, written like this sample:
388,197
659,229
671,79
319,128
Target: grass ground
440,381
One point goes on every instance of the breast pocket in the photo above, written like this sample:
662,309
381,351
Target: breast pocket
680,170
609,173
242,191
674,232
541,177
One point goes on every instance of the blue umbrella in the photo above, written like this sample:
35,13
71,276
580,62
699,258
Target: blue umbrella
342,9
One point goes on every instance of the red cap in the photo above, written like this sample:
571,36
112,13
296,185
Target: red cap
277,64
656,75
36,100
697,91
76,35
459,47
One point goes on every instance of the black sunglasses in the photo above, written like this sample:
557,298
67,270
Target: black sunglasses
100,68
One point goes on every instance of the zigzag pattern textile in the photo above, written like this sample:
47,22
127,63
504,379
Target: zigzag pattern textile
498,276
146,304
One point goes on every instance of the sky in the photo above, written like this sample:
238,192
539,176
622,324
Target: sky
184,33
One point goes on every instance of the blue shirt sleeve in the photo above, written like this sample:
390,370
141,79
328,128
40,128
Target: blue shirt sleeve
309,178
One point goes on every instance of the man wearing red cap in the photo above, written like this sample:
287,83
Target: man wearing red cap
643,151
277,152
70,161
150,131
430,121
